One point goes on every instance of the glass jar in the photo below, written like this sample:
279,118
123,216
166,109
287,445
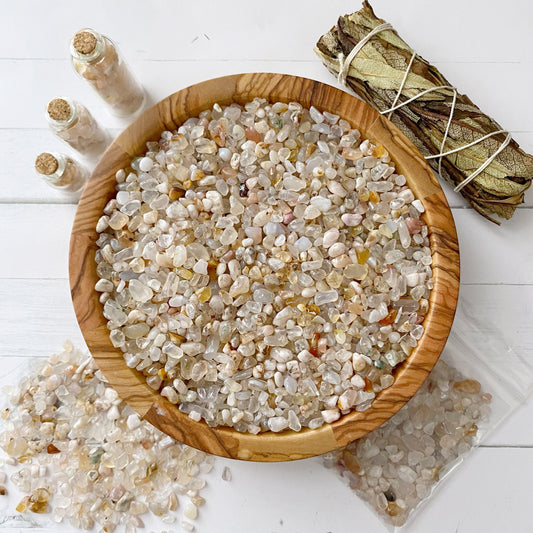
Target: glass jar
73,123
61,172
96,58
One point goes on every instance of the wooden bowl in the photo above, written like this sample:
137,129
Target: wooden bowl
130,384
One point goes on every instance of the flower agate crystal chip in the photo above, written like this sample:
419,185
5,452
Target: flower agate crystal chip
81,454
271,257
397,466
226,474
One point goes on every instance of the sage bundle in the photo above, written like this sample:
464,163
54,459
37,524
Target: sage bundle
464,145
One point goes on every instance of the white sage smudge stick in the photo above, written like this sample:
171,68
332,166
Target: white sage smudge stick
467,147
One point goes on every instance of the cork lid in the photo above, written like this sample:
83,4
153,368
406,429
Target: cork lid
84,42
59,109
46,164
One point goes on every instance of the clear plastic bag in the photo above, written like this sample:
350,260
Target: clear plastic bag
477,383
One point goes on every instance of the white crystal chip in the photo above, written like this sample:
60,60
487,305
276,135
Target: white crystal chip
326,297
139,291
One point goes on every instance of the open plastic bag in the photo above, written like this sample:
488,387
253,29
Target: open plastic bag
477,383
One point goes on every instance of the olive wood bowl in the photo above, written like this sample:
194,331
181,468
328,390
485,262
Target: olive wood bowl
168,114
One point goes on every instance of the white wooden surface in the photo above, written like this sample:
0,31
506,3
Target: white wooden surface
171,44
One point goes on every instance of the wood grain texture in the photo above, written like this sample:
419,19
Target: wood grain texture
130,384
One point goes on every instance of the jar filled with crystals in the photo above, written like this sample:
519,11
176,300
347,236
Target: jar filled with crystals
97,59
73,123
61,172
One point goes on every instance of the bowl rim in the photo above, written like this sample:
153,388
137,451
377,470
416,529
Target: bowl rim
131,385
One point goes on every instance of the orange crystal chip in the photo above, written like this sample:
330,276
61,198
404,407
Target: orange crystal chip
313,351
175,194
470,386
350,462
379,151
393,509
23,505
52,449
174,337
363,256
389,319
252,134
373,197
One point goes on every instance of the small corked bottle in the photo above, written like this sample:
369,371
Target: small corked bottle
61,172
96,58
73,123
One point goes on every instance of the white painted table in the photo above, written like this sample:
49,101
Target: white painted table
486,51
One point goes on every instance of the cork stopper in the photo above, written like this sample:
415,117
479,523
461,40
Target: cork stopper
59,109
46,164
84,42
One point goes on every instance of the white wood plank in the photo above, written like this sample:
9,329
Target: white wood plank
244,29
20,184
303,497
43,308
36,316
24,131
489,492
495,254
161,78
35,240
489,253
